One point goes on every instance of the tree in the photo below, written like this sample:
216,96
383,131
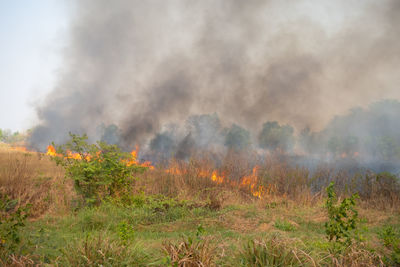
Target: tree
237,138
276,137
110,134
205,128
162,144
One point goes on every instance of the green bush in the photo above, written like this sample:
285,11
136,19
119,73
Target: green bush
12,220
342,217
99,170
390,238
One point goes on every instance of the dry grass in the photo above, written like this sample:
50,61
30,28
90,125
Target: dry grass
278,179
18,261
33,178
355,256
191,253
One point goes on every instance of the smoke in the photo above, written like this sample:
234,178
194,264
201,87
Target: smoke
143,64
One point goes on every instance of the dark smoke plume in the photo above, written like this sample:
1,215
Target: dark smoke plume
142,64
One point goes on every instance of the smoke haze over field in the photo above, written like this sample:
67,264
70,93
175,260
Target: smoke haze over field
143,64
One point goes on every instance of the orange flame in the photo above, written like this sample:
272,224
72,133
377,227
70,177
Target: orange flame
133,160
71,155
216,178
249,181
51,151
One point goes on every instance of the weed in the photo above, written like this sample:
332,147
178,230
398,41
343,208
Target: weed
390,238
342,218
274,251
190,252
125,232
103,251
11,221
284,225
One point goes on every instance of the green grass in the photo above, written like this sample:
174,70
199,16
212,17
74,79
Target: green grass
234,233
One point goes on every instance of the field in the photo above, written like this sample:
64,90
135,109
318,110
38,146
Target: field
177,216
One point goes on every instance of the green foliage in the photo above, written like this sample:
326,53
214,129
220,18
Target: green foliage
284,225
276,137
99,170
342,217
237,138
125,232
12,220
390,238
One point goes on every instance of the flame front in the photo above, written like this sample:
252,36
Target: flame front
249,182
51,151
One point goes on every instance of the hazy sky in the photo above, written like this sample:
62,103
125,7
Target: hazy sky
32,35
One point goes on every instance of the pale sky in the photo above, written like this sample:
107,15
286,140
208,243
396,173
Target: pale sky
32,36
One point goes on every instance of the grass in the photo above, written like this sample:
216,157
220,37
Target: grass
186,220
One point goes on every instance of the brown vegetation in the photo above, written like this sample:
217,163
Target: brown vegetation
33,178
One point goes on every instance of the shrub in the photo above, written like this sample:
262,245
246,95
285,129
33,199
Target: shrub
390,238
11,221
99,170
342,218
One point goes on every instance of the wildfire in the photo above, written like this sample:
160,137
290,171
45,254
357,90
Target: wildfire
51,151
249,181
133,160
216,178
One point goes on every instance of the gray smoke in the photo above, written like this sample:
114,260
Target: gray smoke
143,64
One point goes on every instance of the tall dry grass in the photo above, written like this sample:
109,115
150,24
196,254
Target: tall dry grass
33,178
278,178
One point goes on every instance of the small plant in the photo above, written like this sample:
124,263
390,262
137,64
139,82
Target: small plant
125,232
284,225
342,217
11,222
391,240
99,170
200,231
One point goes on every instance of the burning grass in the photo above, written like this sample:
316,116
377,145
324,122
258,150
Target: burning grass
275,209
